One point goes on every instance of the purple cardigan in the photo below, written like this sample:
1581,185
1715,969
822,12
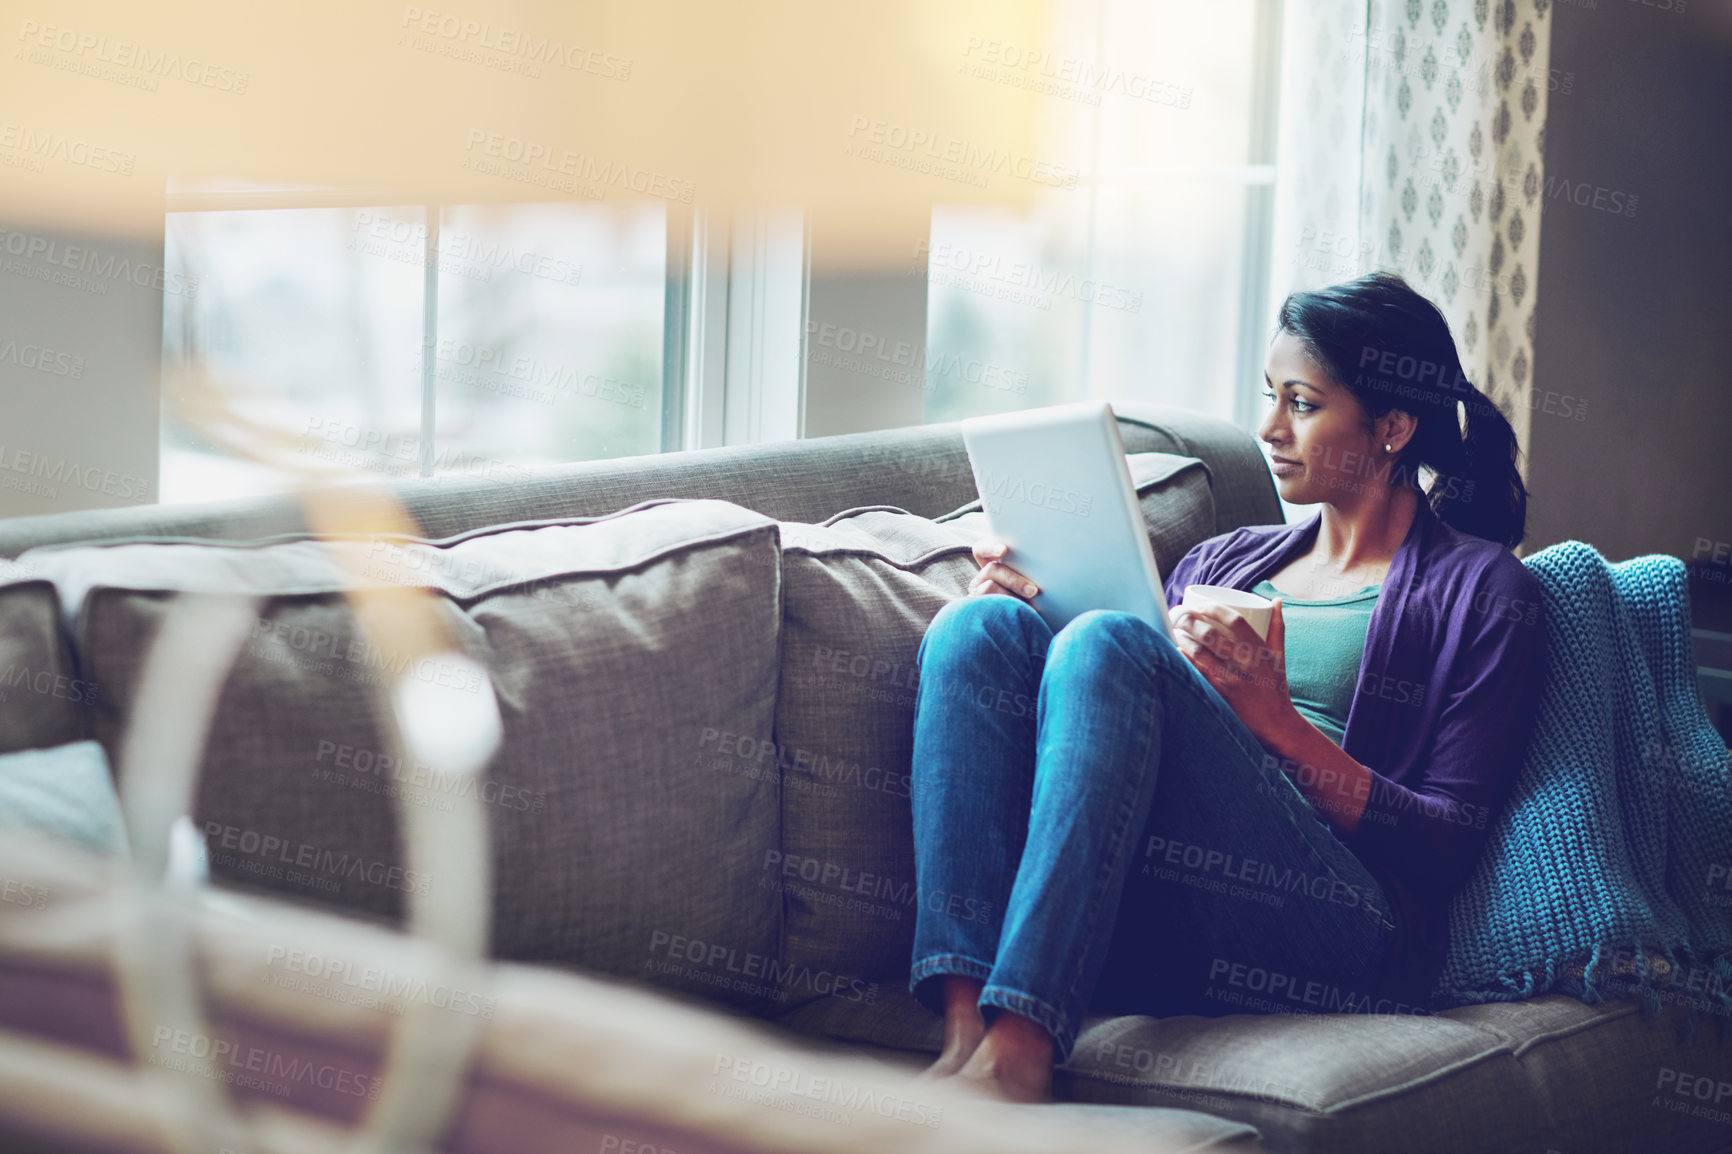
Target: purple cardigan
1448,688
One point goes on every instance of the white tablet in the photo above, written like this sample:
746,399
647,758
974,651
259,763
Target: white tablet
1056,489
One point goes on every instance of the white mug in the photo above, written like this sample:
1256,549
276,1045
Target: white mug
1250,606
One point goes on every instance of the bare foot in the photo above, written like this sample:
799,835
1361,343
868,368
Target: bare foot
963,1026
950,1061
1013,1062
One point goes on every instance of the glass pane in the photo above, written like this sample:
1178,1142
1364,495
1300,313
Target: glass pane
1128,286
550,332
300,355
294,356
1173,340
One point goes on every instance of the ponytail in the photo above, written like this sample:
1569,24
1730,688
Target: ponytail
1491,501
1392,349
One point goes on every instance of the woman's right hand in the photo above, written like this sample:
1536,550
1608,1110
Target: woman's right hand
995,576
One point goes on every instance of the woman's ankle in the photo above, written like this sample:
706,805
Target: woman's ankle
1013,1061
1017,1038
963,1025
960,989
962,1019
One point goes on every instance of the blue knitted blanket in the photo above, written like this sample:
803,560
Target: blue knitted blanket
1607,874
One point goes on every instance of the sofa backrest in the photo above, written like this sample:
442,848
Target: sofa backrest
923,469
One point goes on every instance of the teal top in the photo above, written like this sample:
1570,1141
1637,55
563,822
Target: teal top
1325,644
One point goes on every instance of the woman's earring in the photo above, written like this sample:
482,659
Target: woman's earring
1386,447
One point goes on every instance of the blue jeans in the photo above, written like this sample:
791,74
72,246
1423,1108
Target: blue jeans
1096,830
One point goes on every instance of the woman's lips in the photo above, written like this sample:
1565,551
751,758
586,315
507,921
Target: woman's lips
1284,468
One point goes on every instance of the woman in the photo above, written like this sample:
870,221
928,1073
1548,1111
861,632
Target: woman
1215,823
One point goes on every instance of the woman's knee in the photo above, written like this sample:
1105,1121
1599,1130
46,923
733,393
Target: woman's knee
998,622
1117,630
993,614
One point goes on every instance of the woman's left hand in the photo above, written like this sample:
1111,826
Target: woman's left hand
1250,673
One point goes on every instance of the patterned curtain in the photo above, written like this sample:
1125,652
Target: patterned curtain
1411,139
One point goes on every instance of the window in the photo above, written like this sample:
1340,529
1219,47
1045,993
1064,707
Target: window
327,335
303,350
1145,279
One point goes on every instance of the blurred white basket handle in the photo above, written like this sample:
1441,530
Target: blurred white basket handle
453,733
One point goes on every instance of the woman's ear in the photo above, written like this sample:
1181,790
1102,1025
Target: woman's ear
1395,428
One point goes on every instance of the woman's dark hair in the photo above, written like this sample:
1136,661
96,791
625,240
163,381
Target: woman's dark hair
1391,348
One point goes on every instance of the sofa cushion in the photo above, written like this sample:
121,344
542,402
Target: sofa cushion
858,593
620,648
40,692
300,1006
1550,1073
65,792
1347,1083
1606,1078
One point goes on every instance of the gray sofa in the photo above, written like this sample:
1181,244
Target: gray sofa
703,786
